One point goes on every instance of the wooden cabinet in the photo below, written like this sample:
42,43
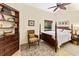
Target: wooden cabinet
9,44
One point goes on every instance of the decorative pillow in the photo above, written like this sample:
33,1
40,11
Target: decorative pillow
31,35
33,39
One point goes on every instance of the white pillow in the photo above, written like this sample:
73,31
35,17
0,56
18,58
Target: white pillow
66,31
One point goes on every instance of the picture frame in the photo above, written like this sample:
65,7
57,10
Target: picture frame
48,25
63,22
31,22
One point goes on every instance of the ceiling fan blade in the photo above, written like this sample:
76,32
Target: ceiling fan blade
58,3
62,7
55,9
52,7
64,4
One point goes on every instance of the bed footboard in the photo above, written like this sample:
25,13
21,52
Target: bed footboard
48,38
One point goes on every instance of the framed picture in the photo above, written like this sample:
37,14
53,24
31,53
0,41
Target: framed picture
47,25
59,23
31,22
63,23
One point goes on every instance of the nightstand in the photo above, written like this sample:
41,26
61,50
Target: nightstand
75,39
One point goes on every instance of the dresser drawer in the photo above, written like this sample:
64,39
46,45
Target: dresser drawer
10,39
1,42
11,48
1,51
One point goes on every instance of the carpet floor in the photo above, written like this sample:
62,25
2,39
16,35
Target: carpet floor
46,50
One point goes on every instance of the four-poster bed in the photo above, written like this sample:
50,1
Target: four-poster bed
57,37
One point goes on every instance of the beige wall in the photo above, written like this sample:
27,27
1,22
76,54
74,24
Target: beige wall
31,13
72,16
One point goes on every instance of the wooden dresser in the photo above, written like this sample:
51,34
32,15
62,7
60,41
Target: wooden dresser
9,44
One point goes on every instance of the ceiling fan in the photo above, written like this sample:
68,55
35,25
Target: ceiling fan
59,5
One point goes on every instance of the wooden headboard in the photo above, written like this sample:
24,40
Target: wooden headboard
65,28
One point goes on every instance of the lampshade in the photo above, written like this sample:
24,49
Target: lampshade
76,29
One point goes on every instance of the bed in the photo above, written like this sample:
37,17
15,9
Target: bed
58,37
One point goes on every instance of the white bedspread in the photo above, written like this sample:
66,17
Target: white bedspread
62,37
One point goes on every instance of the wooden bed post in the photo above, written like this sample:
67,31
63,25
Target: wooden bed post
72,29
39,31
56,42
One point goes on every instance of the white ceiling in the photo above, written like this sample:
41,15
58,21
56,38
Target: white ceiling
44,6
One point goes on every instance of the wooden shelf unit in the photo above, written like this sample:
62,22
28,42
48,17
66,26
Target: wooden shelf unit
10,44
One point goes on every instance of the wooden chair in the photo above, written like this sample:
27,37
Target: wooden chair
32,38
